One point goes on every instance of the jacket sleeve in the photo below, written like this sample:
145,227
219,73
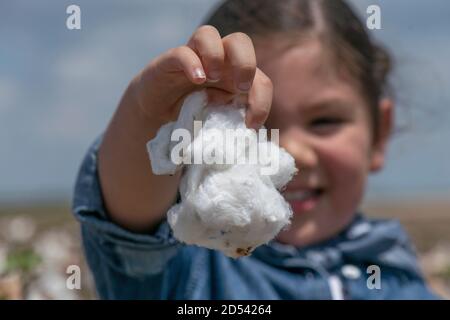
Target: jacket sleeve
119,259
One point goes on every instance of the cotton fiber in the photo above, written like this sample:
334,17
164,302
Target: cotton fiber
231,178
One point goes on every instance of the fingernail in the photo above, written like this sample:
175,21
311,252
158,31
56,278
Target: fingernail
199,73
244,86
214,75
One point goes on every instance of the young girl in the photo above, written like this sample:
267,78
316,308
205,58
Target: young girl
306,67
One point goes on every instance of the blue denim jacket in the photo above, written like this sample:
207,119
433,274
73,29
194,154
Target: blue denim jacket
126,265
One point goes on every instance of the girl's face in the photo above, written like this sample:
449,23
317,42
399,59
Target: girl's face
325,124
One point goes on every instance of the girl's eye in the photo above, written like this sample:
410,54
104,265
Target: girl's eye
325,121
325,125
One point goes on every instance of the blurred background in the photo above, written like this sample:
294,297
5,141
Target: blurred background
59,88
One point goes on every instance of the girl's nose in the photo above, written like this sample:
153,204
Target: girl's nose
304,155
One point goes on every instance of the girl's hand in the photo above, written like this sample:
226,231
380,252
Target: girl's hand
226,67
134,197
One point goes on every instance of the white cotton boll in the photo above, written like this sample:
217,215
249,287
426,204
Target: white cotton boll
287,170
184,224
278,162
159,151
161,146
221,129
241,216
197,102
217,202
227,204
238,198
190,180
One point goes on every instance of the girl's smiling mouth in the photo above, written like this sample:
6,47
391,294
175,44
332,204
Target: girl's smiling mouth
303,200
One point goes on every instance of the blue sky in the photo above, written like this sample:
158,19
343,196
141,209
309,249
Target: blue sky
59,88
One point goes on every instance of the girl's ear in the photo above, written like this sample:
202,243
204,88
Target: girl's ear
386,124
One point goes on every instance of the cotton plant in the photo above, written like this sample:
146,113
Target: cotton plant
232,206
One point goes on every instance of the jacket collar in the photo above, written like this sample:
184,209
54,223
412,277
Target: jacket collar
364,241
